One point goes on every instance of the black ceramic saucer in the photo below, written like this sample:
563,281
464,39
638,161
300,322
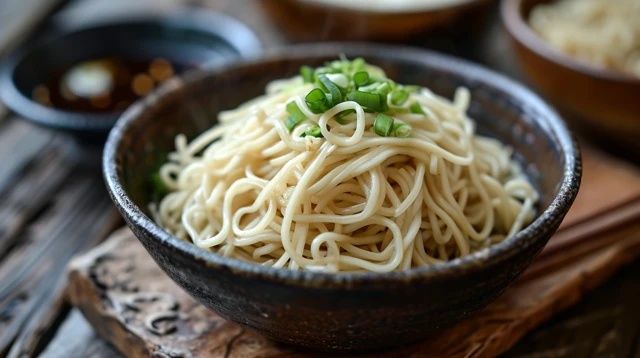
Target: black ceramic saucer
190,38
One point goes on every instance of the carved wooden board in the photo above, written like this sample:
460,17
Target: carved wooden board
132,304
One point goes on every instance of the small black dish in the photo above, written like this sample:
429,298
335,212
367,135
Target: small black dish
190,38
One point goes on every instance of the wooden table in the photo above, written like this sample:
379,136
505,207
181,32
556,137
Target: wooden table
54,205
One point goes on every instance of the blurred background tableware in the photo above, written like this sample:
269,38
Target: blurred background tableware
81,78
398,20
601,102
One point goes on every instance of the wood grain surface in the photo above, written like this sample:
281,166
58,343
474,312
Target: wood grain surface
41,208
50,211
133,305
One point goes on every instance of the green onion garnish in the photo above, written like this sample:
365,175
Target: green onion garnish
372,87
339,79
358,64
382,88
313,131
342,116
416,108
307,74
344,80
383,125
159,187
401,130
399,97
295,116
361,78
317,101
335,96
370,101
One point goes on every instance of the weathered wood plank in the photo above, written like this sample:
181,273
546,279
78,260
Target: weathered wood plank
19,18
47,313
76,338
32,191
28,138
78,218
133,305
607,324
3,112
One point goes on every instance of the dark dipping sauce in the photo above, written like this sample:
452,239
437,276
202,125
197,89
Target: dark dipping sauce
103,85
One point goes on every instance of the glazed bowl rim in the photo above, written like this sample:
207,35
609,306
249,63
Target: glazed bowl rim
423,8
222,25
519,29
540,227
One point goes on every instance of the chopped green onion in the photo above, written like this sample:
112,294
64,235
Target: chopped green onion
372,87
361,78
397,110
399,97
383,125
291,124
323,71
341,117
345,80
307,74
313,131
382,88
317,101
295,116
401,130
339,79
159,187
335,96
358,64
416,108
370,101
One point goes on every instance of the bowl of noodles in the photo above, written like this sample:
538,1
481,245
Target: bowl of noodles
343,197
584,56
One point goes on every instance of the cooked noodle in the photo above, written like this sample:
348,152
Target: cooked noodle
601,32
351,201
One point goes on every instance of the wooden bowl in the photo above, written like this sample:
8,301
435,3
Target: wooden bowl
309,20
344,311
599,100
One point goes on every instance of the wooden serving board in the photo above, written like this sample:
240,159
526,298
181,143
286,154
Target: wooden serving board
134,306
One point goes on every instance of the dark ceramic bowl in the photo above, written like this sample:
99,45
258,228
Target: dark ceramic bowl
601,101
312,20
347,311
187,38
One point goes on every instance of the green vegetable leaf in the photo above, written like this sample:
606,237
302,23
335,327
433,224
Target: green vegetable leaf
313,131
307,74
416,108
383,125
295,116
